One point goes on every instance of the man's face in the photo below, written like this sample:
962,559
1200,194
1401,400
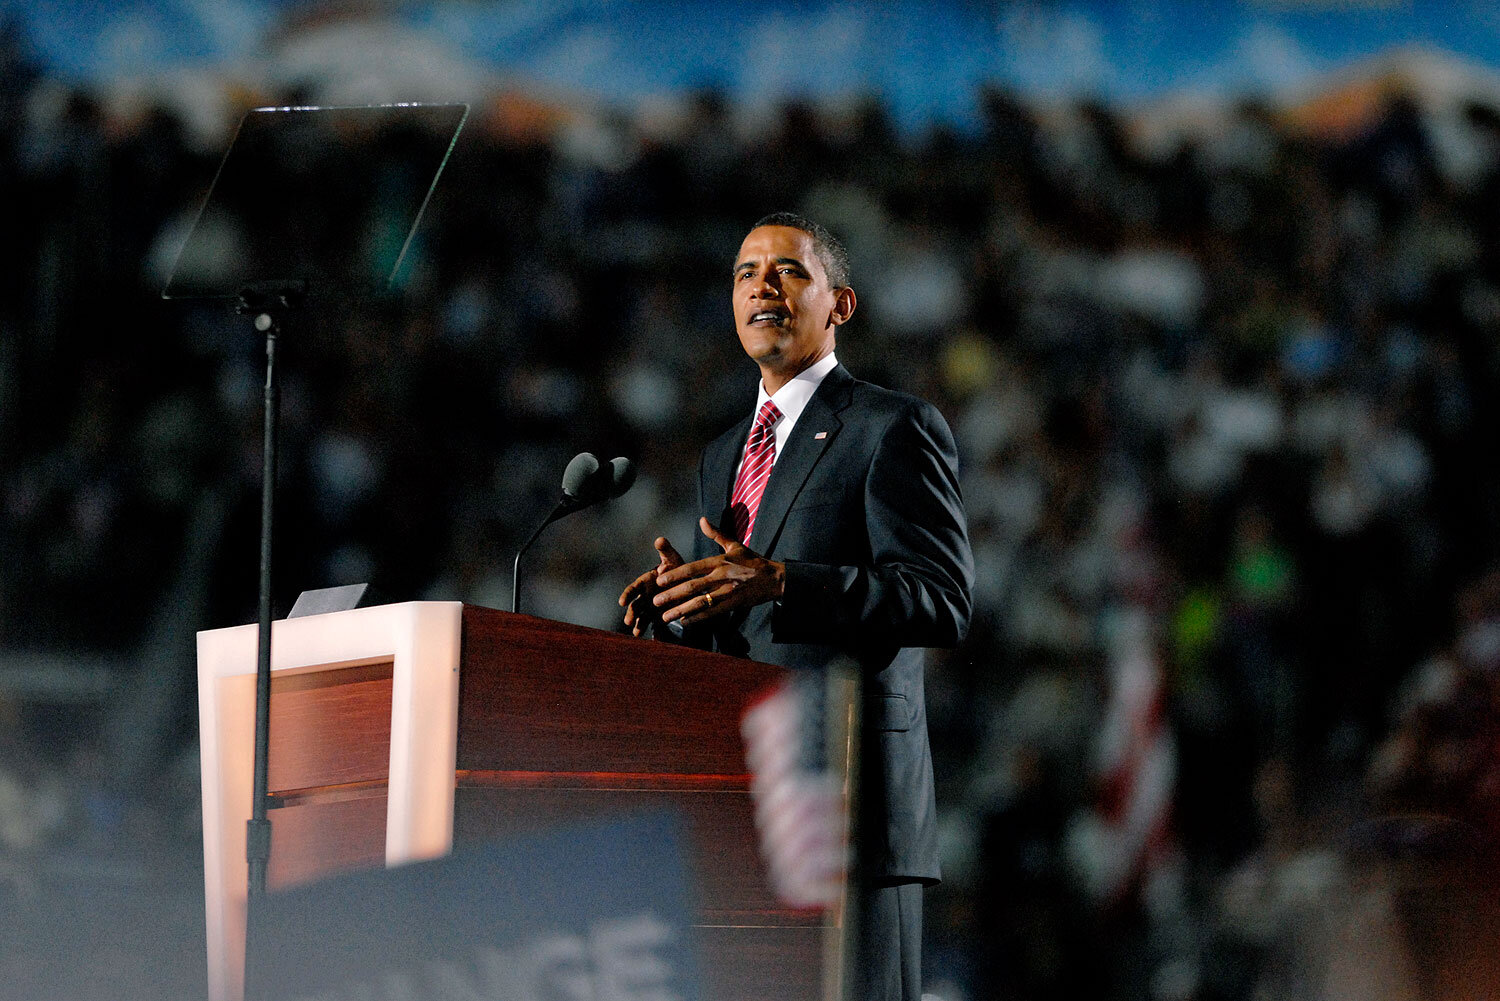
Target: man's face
784,308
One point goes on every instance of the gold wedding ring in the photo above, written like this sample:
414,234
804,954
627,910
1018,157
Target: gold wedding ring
708,600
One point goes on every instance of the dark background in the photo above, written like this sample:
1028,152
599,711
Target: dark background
1221,365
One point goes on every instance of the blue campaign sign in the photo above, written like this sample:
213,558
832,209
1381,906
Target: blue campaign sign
601,912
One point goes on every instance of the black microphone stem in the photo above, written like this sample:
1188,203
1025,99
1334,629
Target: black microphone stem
582,487
562,508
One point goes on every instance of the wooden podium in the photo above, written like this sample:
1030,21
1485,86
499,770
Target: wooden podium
400,730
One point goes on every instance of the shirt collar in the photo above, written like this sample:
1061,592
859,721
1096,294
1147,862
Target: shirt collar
792,398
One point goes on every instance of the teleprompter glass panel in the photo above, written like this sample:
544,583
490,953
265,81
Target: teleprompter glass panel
300,187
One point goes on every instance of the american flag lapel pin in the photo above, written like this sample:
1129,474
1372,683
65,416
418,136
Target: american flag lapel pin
820,436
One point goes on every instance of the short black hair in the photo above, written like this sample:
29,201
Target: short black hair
827,246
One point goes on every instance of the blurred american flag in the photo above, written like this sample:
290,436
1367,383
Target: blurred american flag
799,800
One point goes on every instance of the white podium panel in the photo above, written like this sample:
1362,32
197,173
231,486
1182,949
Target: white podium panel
409,650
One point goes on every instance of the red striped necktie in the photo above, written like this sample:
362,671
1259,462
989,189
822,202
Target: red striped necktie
755,470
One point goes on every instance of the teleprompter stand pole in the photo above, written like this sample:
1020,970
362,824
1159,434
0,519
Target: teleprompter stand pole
268,303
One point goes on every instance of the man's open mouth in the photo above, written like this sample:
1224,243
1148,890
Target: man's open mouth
768,317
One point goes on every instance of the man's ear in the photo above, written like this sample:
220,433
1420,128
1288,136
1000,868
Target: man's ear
844,302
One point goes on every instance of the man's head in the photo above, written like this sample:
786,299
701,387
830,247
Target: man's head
791,292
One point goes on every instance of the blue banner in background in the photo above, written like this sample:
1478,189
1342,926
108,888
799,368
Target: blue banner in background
927,61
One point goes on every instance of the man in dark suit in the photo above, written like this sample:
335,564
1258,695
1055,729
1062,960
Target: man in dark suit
832,529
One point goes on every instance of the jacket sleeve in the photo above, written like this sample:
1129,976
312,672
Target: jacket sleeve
915,589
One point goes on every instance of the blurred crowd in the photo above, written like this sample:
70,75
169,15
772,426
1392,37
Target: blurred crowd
1219,401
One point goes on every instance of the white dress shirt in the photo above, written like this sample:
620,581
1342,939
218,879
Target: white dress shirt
791,400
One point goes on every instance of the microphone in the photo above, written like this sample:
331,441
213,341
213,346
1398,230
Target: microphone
622,476
586,481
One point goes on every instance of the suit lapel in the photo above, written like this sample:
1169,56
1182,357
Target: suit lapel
720,462
802,451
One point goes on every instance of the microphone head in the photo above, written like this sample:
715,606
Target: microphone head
585,480
622,475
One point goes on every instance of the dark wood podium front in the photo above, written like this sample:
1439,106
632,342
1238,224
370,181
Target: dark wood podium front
402,730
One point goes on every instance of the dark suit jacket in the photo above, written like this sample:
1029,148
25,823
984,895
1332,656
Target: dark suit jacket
868,519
